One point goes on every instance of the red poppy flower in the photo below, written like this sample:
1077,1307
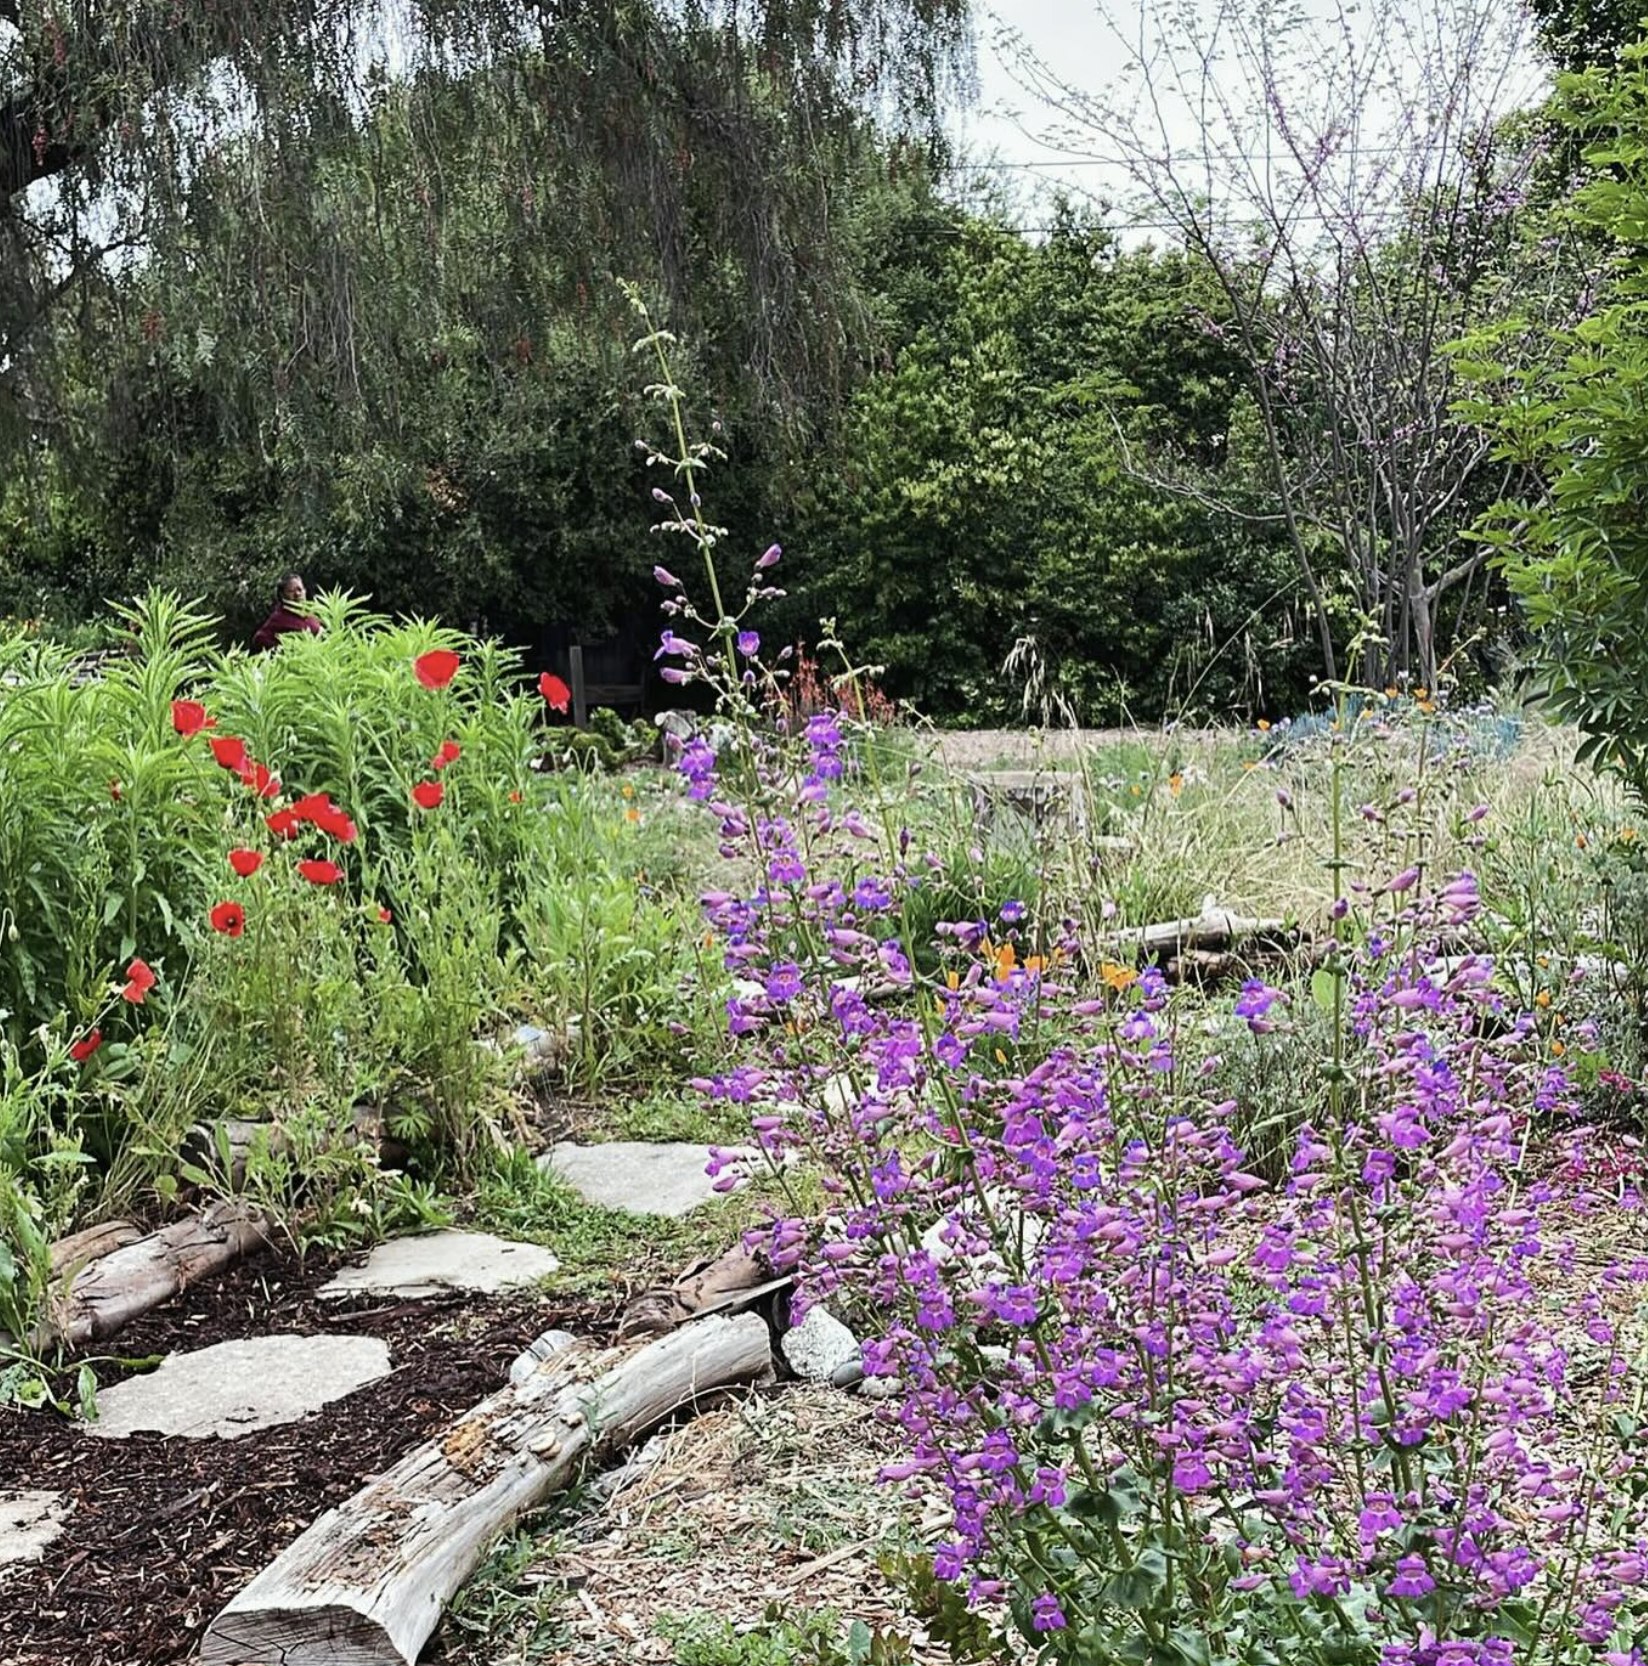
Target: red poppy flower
554,691
514,798
188,717
320,873
114,791
229,751
327,816
88,1044
259,778
139,981
385,915
449,753
245,862
229,919
427,794
437,668
283,824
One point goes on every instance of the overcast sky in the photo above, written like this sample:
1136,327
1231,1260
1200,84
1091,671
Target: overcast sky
1072,37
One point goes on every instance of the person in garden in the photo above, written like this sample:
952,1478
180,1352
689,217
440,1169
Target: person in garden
288,615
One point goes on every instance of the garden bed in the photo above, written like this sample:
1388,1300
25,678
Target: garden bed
161,1532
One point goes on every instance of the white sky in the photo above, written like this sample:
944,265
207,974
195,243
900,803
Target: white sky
1073,38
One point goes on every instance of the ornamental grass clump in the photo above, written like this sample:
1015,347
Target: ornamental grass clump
1382,1408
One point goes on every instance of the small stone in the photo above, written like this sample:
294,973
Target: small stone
819,1347
29,1521
234,1388
880,1388
435,1262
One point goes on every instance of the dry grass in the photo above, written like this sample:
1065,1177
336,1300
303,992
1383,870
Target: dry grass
769,1499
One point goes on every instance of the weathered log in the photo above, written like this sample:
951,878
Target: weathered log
208,1144
1213,928
70,1255
365,1585
138,1275
726,1283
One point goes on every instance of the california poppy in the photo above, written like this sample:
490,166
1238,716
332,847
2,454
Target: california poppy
188,717
230,751
320,873
437,668
554,691
427,794
245,862
229,919
88,1044
139,981
449,753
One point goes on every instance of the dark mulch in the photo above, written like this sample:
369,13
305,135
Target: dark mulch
164,1531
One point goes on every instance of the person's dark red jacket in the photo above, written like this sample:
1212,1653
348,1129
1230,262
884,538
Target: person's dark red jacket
282,620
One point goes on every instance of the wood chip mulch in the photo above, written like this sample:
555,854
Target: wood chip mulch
162,1532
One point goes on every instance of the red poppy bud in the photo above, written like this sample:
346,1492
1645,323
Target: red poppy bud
229,751
428,794
188,717
554,691
320,873
437,668
88,1044
245,862
229,919
515,798
385,915
139,981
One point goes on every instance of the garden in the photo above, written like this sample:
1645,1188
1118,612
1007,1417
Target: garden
1065,1082
1219,1148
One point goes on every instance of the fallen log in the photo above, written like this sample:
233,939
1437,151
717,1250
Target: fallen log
1213,928
722,1284
223,1149
138,1274
72,1254
366,1584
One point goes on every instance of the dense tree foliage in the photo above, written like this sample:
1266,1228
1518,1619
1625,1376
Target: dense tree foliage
993,489
1570,405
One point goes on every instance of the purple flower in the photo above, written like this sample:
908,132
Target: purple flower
666,578
768,558
1012,912
670,643
749,644
1046,1614
1412,1579
784,981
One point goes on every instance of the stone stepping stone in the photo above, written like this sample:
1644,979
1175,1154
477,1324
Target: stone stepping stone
664,1179
234,1388
29,1521
434,1263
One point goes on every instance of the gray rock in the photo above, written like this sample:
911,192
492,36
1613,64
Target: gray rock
29,1521
433,1262
819,1347
234,1388
666,1179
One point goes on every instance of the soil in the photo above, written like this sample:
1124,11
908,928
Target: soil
162,1532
